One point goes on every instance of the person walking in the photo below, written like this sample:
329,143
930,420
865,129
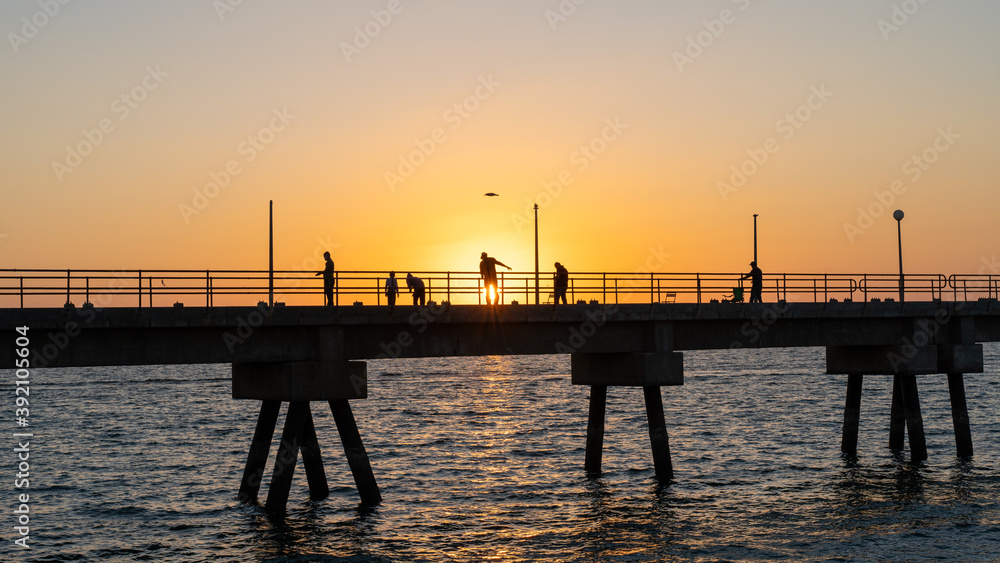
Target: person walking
560,283
756,283
488,270
328,281
391,291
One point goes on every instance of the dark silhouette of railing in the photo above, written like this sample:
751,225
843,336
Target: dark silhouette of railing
203,287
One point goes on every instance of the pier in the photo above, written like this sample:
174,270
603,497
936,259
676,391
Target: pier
307,356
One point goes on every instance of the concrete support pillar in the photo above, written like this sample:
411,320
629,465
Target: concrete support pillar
852,414
595,428
288,453
658,433
914,422
313,460
649,370
253,474
960,415
298,383
897,416
904,362
357,457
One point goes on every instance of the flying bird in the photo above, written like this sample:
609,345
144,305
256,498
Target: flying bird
490,194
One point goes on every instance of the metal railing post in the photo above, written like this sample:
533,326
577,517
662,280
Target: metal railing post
88,291
22,292
448,289
208,289
604,288
140,289
697,278
67,287
651,298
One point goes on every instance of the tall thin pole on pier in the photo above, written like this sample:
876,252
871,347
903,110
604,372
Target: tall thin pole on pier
270,253
537,301
898,216
755,237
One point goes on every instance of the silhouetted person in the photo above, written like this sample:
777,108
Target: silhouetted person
561,283
391,290
327,274
488,269
756,282
416,285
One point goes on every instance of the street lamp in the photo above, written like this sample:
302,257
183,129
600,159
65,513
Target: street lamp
537,301
898,216
270,253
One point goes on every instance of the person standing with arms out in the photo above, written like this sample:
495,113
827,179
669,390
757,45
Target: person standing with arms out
416,285
327,274
561,283
756,282
391,290
488,269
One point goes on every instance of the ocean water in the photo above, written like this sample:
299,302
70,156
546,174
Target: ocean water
481,459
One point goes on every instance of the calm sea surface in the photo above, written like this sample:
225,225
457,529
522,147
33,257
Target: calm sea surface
481,459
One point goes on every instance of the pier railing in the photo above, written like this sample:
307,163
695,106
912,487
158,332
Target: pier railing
147,288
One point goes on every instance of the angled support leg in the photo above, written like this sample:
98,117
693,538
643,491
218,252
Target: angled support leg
852,414
288,452
914,421
960,414
897,416
658,433
595,428
253,474
312,459
357,457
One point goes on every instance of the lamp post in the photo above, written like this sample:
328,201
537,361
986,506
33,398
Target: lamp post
898,216
270,253
755,238
537,301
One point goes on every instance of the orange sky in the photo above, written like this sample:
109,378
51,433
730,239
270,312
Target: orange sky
626,121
